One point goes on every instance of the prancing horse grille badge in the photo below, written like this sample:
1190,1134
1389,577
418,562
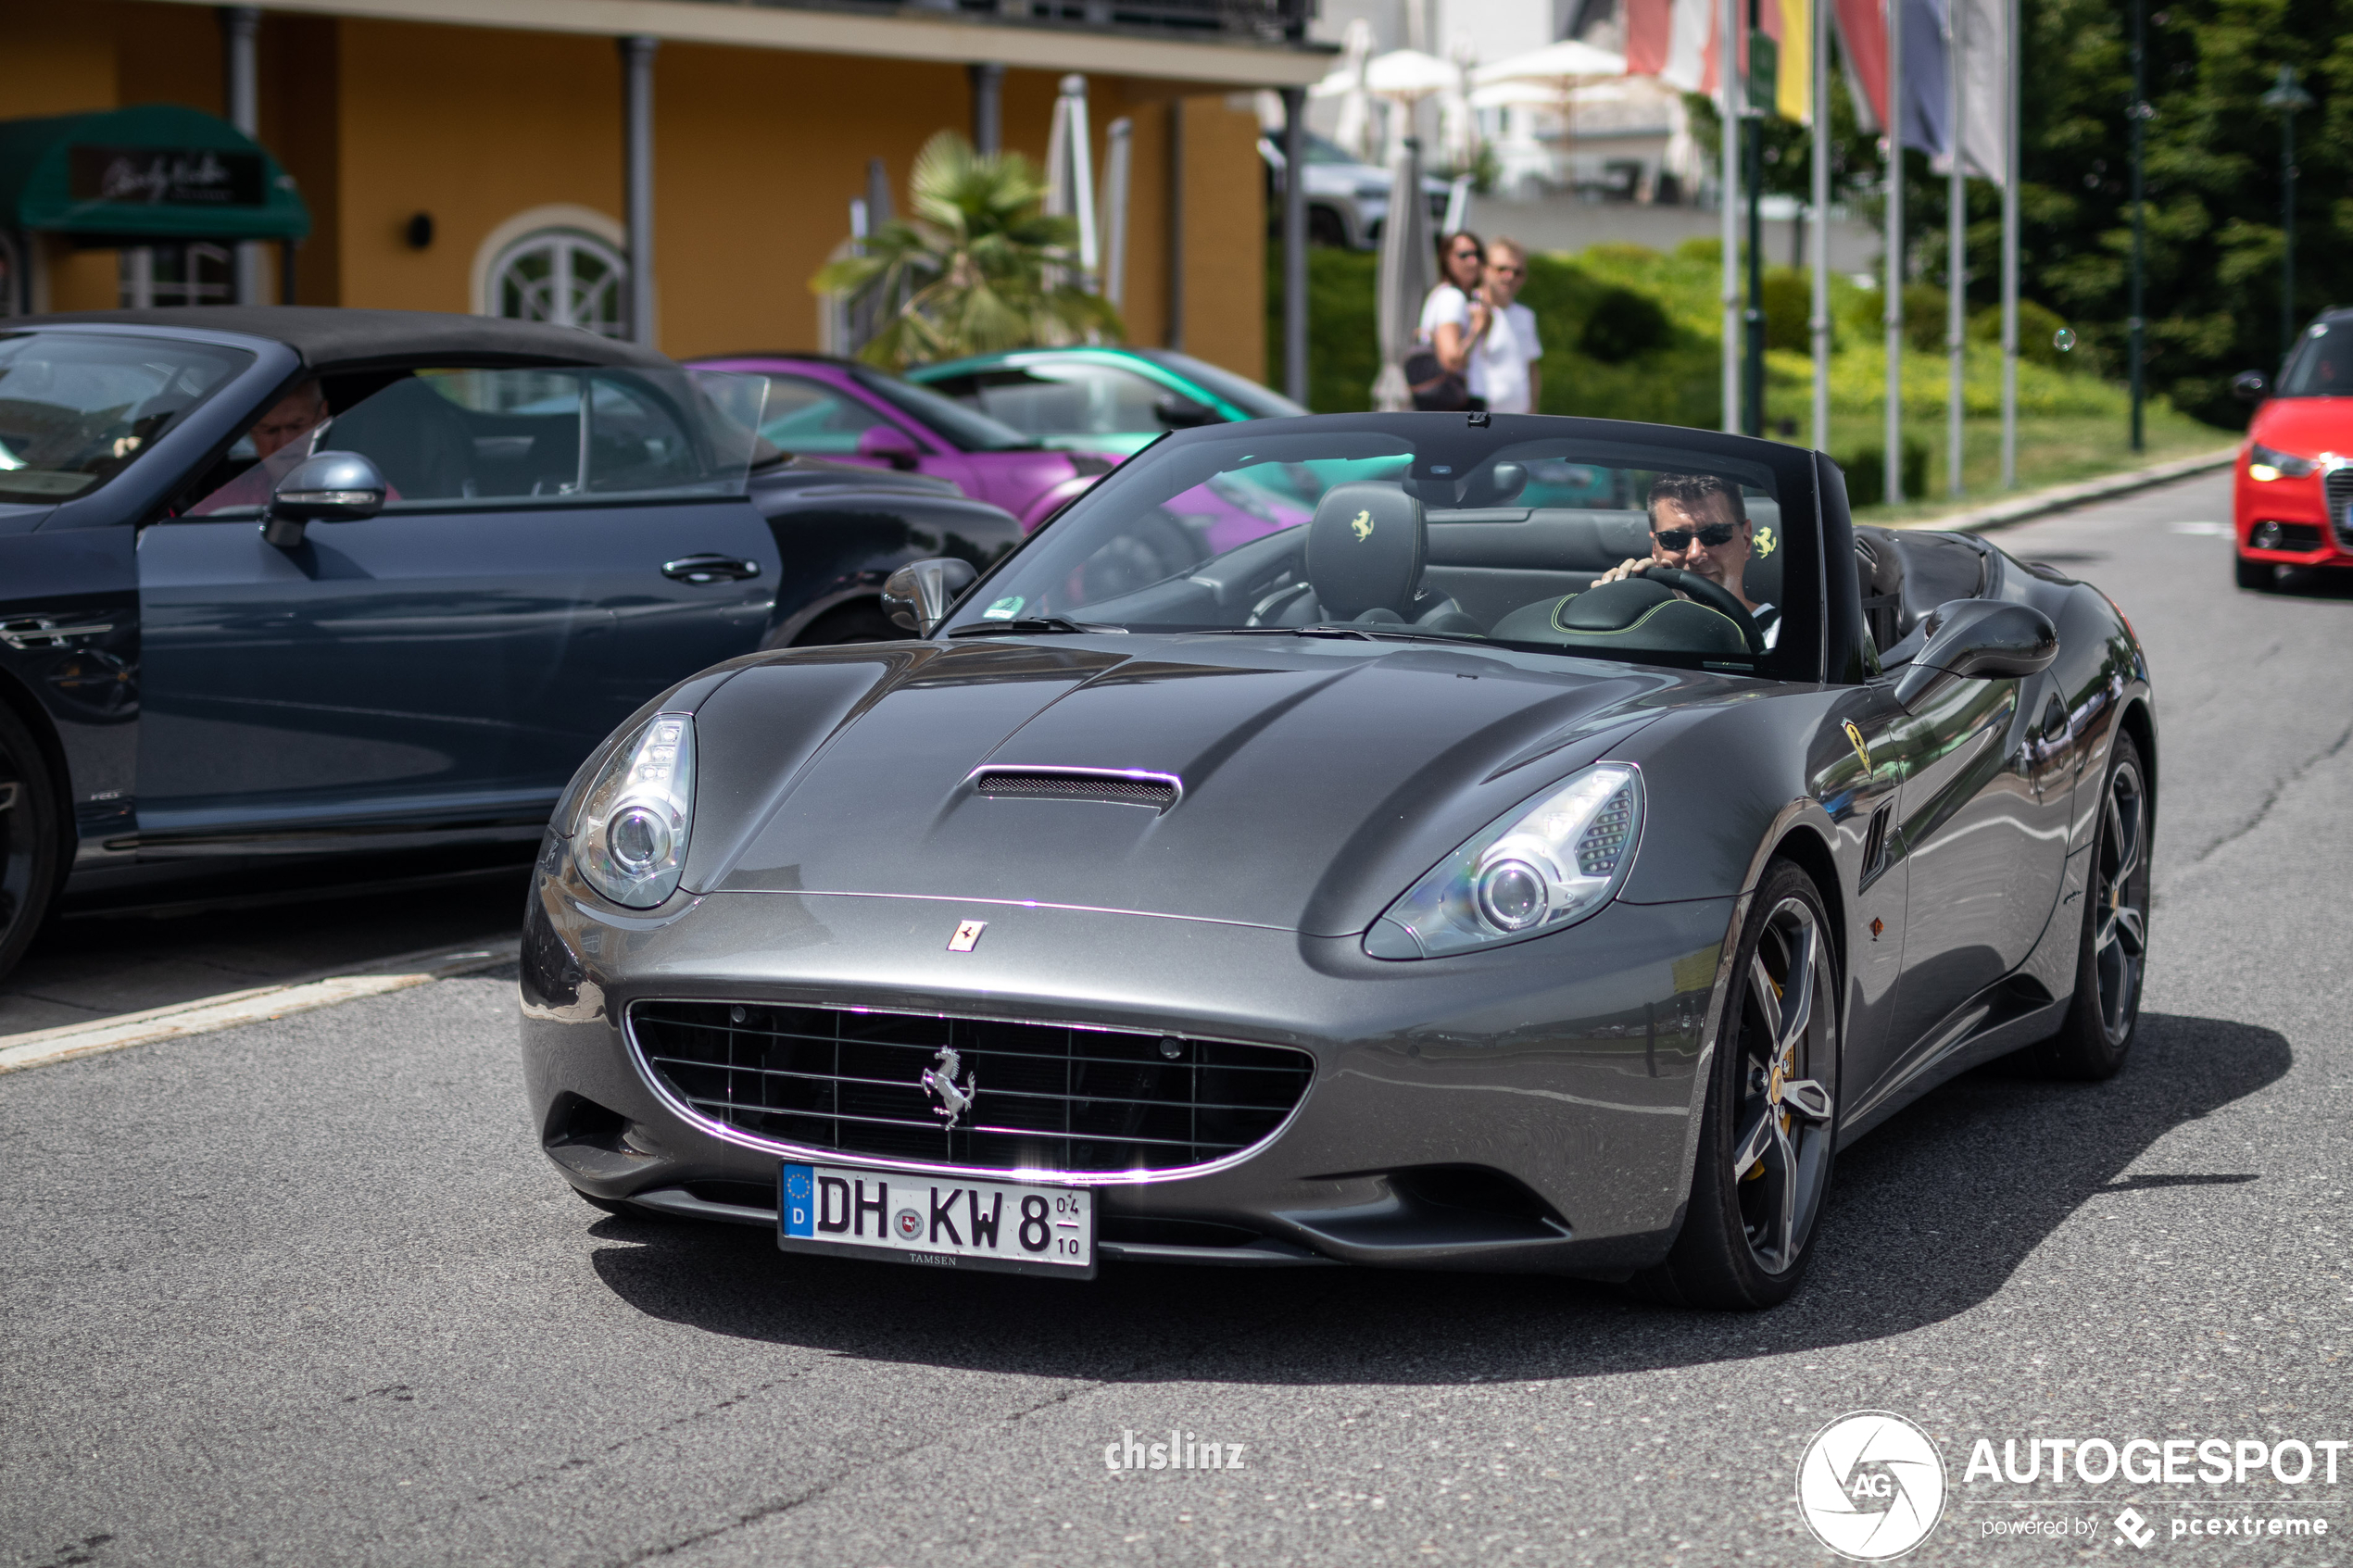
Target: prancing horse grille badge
967,936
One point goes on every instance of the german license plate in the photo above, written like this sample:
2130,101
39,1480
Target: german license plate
946,1222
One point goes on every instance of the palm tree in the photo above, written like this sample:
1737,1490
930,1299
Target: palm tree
978,266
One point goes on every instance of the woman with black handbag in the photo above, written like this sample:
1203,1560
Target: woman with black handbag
1454,319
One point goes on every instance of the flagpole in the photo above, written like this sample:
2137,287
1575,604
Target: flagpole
1821,322
1893,318
2010,80
1728,77
1957,239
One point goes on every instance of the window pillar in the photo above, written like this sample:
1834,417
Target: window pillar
638,72
989,111
242,92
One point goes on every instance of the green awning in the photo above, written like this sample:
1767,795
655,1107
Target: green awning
153,172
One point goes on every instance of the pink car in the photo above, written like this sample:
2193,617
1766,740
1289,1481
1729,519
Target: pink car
843,411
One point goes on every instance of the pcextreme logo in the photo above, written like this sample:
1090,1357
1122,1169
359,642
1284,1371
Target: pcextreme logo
1870,1486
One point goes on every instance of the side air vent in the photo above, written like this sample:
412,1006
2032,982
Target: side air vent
1118,787
1875,847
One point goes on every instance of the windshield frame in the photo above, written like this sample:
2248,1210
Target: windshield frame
1796,486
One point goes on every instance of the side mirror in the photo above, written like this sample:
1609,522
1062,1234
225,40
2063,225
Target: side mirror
2249,386
1979,639
919,596
324,487
1183,413
888,444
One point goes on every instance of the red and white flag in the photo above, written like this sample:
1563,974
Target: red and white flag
1673,40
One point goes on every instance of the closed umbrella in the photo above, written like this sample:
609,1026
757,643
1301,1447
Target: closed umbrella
1347,84
1403,279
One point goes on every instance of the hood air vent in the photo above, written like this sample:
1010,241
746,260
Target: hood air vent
1116,787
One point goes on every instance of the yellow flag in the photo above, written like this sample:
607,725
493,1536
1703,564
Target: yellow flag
1794,91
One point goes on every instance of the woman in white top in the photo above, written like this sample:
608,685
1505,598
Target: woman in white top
1453,317
1503,371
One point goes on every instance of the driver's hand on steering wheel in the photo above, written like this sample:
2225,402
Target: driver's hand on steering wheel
1632,566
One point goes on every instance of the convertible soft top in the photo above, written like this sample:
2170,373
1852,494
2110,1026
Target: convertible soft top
330,337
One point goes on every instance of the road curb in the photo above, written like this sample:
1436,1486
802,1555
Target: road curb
41,1046
2060,499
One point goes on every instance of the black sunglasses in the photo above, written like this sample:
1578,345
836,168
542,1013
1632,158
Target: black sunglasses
1713,535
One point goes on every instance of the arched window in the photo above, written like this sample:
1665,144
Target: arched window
565,276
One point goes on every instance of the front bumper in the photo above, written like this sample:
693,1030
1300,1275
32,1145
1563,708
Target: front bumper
2288,522
1531,1107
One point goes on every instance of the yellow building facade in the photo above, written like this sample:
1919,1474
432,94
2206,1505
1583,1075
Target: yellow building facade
427,137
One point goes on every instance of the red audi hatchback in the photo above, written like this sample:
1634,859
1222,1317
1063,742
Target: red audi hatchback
2292,502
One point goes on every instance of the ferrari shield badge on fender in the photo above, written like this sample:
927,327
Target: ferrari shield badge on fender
1854,736
967,936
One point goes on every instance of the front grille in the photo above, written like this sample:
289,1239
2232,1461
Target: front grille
2338,488
1157,791
1050,1097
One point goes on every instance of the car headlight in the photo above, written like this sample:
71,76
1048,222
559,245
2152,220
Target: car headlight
630,838
2267,462
1536,869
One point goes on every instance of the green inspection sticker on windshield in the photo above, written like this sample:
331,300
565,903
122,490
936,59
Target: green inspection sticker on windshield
1003,610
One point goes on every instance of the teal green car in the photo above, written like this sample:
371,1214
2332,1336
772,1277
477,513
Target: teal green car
1100,398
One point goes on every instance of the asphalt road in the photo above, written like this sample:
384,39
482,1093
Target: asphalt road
306,1293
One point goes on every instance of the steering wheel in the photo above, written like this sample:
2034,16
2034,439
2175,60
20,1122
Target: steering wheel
1712,593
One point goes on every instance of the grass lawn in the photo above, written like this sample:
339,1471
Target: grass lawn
2052,449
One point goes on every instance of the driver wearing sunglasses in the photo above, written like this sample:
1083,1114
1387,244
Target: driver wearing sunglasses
1698,524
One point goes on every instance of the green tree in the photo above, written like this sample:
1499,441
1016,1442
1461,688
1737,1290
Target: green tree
977,267
2213,181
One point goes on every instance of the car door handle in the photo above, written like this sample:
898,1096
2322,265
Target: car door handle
709,569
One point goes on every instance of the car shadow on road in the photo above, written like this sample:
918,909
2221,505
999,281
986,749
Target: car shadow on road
1928,1218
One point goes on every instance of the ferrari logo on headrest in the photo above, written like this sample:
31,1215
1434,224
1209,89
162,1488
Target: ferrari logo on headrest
1765,541
1363,525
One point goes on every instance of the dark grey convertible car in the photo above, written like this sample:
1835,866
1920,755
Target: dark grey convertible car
1400,886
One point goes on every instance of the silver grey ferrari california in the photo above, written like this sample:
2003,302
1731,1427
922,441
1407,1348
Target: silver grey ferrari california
1439,841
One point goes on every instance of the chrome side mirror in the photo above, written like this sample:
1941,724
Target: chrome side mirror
919,596
1979,639
324,487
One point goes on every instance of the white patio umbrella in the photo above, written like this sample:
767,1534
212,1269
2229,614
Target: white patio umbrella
1403,77
1568,61
1402,280
1346,83
1560,66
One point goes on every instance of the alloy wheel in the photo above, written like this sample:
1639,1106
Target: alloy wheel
1780,1159
2120,932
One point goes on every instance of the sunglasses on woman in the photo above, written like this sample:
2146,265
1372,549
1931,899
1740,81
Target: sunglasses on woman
1711,535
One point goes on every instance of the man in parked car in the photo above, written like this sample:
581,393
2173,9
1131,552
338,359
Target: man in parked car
281,439
1699,525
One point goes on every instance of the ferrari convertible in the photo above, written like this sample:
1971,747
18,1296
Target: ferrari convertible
1430,879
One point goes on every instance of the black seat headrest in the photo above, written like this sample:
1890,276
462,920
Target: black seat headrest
1761,581
1365,549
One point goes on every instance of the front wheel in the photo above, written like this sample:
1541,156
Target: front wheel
1766,1137
30,840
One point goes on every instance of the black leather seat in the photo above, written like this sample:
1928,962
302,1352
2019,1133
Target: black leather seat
1367,547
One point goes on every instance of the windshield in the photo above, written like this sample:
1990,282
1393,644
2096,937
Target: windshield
2322,363
1419,526
972,432
508,438
1241,390
77,409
